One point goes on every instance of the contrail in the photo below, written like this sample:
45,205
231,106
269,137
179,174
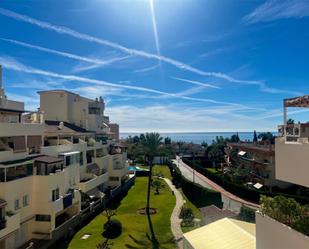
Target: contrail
16,66
194,82
154,26
82,36
65,54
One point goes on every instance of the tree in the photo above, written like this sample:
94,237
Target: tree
235,138
109,213
167,140
136,139
255,139
290,121
204,144
216,154
158,185
151,143
105,244
267,137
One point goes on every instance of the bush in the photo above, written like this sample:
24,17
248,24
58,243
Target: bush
112,229
187,215
196,193
240,190
247,214
287,211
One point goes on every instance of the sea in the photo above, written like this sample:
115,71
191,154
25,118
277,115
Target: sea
199,137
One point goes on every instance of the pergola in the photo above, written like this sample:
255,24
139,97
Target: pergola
302,101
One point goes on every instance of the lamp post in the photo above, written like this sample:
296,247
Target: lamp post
193,169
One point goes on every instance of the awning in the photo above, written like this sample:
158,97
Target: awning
258,185
95,193
242,153
69,153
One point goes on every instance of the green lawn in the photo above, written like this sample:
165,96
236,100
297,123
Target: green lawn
162,169
135,228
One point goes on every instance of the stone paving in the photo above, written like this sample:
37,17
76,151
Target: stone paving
175,220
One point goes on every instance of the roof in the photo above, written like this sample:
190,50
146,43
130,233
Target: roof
11,110
268,149
48,159
224,233
302,101
17,162
53,126
213,213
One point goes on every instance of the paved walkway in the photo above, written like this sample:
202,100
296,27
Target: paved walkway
204,181
175,221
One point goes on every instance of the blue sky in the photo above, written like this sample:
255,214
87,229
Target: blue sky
162,65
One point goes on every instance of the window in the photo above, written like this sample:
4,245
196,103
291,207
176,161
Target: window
17,204
81,158
114,178
25,201
55,194
42,217
67,160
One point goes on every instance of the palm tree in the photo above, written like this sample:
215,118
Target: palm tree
151,142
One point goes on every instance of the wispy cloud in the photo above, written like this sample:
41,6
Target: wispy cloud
12,64
95,62
130,51
180,118
194,82
273,10
146,69
213,52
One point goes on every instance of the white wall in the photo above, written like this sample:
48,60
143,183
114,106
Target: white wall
271,234
292,162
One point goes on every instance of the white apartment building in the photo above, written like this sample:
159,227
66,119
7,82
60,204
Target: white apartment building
54,166
292,155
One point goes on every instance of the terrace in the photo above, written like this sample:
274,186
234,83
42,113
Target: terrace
292,146
13,170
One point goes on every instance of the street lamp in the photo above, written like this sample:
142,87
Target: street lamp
193,168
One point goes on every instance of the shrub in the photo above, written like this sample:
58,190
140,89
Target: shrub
187,215
247,214
112,229
287,211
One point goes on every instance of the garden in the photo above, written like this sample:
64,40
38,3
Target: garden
134,226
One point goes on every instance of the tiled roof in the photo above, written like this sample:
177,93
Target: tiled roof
53,126
48,159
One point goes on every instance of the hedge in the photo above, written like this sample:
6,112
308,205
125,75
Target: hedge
196,193
240,190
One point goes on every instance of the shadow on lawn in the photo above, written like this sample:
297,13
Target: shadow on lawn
150,241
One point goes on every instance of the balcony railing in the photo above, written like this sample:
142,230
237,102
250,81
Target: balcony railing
2,223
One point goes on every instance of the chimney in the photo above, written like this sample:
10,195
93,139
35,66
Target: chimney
0,77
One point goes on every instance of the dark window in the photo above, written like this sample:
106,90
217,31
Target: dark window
42,217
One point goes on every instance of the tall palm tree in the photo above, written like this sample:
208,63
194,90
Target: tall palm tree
151,142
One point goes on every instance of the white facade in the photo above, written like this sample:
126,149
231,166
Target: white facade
271,234
70,107
44,172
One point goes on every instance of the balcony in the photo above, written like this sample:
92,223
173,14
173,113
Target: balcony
292,161
12,224
88,184
57,205
20,129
